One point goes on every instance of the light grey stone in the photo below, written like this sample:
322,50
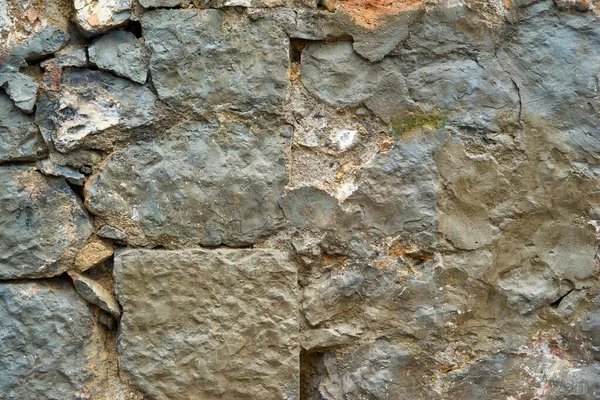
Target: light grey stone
459,87
199,184
43,224
314,339
94,293
90,102
337,75
48,40
331,295
49,341
111,232
122,53
21,88
94,17
397,189
206,61
70,56
309,207
47,167
381,370
20,139
229,332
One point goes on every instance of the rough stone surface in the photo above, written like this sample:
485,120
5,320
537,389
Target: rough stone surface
20,139
94,293
94,17
122,53
43,224
47,167
431,167
227,192
246,69
49,346
88,103
22,90
232,322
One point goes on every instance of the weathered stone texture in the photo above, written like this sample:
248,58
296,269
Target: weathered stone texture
122,53
209,323
49,342
20,139
91,102
205,61
226,193
43,224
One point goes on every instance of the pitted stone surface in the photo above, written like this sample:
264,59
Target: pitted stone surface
229,332
205,61
226,193
122,53
50,345
19,137
90,102
43,224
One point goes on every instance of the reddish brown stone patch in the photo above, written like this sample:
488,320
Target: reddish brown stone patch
370,13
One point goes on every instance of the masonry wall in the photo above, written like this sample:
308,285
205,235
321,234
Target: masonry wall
299,199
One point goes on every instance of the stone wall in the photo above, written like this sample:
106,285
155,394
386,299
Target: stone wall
299,199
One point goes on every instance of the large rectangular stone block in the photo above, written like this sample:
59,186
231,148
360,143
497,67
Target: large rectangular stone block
208,324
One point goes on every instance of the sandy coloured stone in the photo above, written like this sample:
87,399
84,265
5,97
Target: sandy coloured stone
93,254
209,323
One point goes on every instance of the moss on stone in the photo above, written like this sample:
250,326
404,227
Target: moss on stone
409,121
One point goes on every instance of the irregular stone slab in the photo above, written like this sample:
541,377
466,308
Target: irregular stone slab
199,184
330,296
111,232
46,41
462,86
309,207
209,323
337,75
209,60
43,224
122,53
47,167
90,102
538,60
322,338
22,89
94,293
20,139
380,370
49,342
94,17
397,189
93,253
70,56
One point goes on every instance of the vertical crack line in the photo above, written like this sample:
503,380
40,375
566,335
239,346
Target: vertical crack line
520,98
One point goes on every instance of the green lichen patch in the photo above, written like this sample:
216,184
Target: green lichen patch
407,122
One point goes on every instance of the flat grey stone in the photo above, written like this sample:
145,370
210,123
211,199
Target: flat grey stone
337,75
397,190
379,370
48,40
49,341
199,184
21,88
20,139
43,224
111,232
94,293
70,56
122,53
229,332
90,102
205,61
47,167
